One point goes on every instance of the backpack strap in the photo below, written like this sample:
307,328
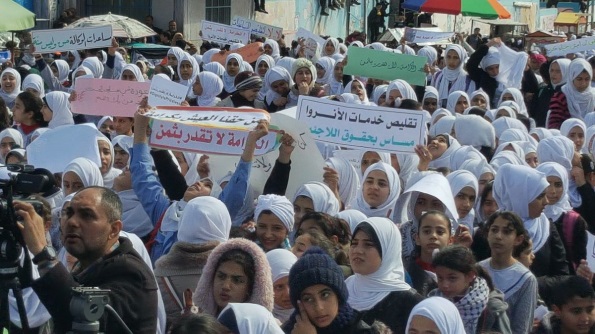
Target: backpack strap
568,224
171,290
149,244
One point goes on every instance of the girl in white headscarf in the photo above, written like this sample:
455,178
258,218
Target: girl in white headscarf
441,147
274,217
131,72
453,76
249,318
475,131
443,125
439,113
278,82
263,64
349,179
8,138
589,119
325,67
214,67
377,288
550,258
314,196
571,226
540,133
331,47
10,86
336,80
281,260
358,88
479,98
430,100
399,90
271,48
380,191
465,192
457,102
56,109
432,57
95,65
576,98
574,129
80,173
513,94
187,69
34,83
541,102
207,86
590,141
106,153
443,314
55,75
379,95
233,65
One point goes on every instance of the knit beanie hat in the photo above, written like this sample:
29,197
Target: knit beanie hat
316,267
303,63
247,80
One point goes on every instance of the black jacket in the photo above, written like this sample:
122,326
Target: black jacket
133,291
541,104
423,283
393,310
482,78
587,209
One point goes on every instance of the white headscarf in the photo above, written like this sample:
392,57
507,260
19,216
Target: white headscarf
280,206
253,318
179,53
464,154
15,135
590,140
518,97
286,63
458,180
275,73
270,64
328,64
275,46
440,112
569,124
124,142
579,103
112,173
509,110
334,42
204,219
504,123
442,312
135,70
431,92
430,53
212,86
352,217
387,208
195,70
228,80
512,64
510,135
455,78
214,67
402,86
554,210
134,217
443,125
349,181
453,98
509,180
35,82
444,159
474,130
482,93
348,90
60,106
9,98
407,166
541,133
63,69
561,150
336,86
589,119
377,93
365,291
281,260
563,63
95,65
321,195
87,171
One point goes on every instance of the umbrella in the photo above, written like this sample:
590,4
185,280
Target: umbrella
489,9
122,26
14,17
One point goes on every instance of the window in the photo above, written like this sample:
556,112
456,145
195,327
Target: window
136,9
218,11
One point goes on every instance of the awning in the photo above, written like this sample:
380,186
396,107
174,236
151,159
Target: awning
567,18
505,22
14,17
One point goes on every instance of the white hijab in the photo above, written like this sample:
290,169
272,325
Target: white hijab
275,46
377,93
590,140
15,135
63,69
348,90
214,67
453,98
365,291
328,64
134,217
336,86
228,80
512,64
281,260
444,159
270,63
112,173
212,86
455,78
321,195
86,170
569,124
509,180
579,103
387,208
349,181
554,210
442,312
135,70
204,219
563,63
458,180
403,87
482,93
443,126
504,123
407,166
60,106
474,130
518,97
95,65
352,217
35,82
195,70
275,73
589,119
9,98
253,318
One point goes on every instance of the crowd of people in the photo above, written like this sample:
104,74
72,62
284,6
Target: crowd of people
484,229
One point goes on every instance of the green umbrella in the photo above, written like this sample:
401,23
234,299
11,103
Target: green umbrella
14,17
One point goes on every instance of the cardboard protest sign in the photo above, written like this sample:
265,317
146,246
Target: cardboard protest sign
257,28
414,35
165,92
52,40
385,65
577,45
105,97
249,53
224,34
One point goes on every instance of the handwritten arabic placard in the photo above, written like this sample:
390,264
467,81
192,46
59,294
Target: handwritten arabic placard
250,53
577,45
223,118
224,34
193,138
305,34
362,127
385,65
47,41
414,35
105,97
591,251
165,92
257,28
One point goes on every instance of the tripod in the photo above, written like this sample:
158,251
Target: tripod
13,284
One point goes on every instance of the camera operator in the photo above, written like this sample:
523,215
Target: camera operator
90,234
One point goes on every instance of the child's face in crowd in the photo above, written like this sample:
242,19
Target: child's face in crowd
426,202
230,284
555,190
270,231
502,237
301,206
376,188
301,245
434,233
527,256
489,205
577,315
363,255
281,290
321,304
464,201
453,283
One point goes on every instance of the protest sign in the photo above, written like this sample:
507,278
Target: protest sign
4,56
165,92
577,45
306,160
249,53
47,41
385,65
224,34
414,35
104,97
305,34
257,28
362,127
54,149
213,117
